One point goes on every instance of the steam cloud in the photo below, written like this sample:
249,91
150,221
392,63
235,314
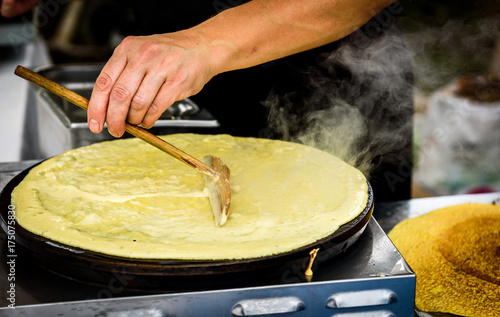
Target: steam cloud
444,52
359,106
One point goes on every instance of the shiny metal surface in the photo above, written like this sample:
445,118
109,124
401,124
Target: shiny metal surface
14,90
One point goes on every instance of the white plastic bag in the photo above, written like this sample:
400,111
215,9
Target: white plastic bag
460,151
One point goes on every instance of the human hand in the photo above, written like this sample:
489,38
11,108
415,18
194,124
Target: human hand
13,8
144,76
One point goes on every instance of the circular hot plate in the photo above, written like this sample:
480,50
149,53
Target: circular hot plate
96,268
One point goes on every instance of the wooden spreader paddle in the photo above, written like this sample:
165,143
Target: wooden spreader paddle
216,173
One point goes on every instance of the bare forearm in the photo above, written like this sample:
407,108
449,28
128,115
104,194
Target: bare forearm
264,30
145,75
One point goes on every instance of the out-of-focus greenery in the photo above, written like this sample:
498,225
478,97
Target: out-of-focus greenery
449,38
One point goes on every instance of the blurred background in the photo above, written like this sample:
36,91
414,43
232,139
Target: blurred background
455,50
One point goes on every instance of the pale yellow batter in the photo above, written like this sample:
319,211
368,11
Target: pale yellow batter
127,198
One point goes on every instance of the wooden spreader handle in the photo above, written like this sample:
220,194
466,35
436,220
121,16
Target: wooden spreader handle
136,131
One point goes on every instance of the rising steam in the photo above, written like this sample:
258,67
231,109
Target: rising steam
441,53
359,106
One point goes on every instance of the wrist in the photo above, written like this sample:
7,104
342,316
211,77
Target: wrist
222,50
238,37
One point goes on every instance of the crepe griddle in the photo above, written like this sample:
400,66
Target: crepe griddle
96,268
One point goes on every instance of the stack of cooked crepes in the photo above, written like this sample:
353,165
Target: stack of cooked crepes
126,198
455,253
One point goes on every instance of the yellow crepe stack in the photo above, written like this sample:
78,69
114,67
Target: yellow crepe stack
455,253
126,198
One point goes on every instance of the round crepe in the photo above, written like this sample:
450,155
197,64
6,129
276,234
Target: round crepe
127,198
455,253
